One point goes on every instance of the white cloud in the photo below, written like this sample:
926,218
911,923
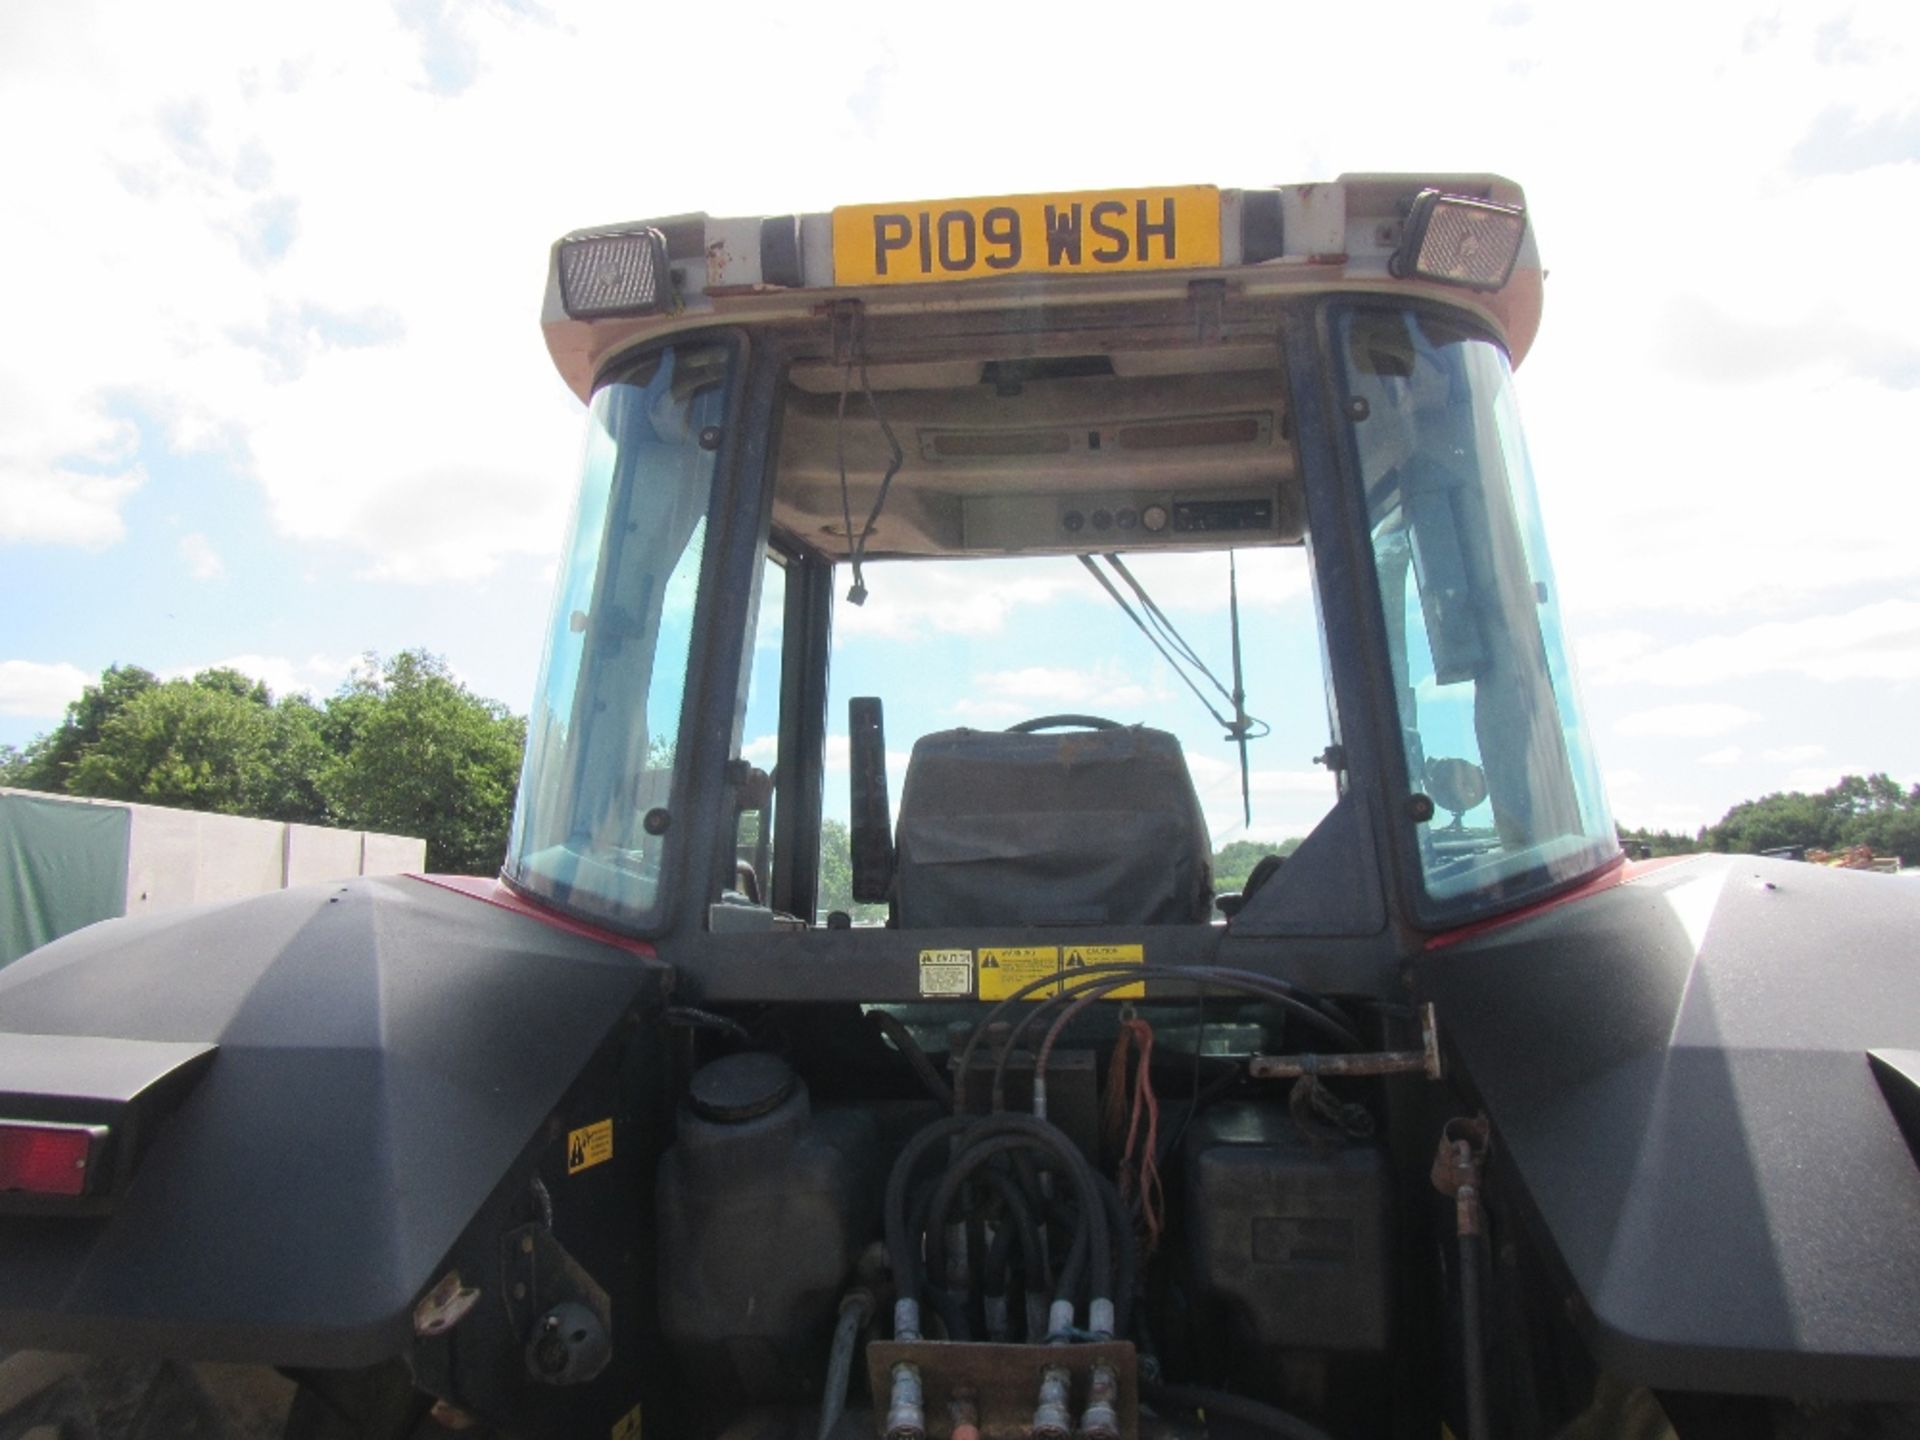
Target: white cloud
1687,722
1285,802
42,503
1035,690
839,759
1609,654
1815,778
907,600
29,687
1727,755
317,675
1267,579
1640,803
995,714
1793,754
1878,641
203,561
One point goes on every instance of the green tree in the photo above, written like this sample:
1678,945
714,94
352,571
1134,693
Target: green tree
417,753
286,782
180,744
1774,821
1233,862
48,761
836,875
229,681
1879,814
1661,842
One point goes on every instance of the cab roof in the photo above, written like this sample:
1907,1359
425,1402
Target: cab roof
1007,253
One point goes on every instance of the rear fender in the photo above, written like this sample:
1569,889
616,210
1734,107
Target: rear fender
1680,1077
395,1064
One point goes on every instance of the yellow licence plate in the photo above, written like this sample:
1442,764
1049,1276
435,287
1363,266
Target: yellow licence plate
1092,232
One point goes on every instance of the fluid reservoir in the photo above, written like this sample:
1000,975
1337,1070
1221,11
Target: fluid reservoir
763,1207
1289,1239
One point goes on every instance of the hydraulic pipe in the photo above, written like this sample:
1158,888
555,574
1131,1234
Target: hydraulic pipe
854,1311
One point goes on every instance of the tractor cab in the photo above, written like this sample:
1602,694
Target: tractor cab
1010,460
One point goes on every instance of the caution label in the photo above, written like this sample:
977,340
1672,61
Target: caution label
1078,957
946,973
627,1427
589,1146
1005,969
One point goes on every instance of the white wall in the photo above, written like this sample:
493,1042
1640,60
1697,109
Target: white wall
184,857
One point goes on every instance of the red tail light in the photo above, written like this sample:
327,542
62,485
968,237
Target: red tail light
47,1159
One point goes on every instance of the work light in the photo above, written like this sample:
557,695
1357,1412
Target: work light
1458,240
616,273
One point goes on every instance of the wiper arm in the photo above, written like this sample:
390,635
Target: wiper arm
1186,662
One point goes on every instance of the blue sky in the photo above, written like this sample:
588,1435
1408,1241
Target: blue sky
272,390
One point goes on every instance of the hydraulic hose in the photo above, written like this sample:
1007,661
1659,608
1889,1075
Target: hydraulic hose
1473,1358
895,1030
1093,1212
854,1310
1125,1258
980,1030
900,1253
899,1237
1019,1226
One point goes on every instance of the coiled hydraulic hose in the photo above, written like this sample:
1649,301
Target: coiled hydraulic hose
1093,1210
980,1132
1018,1227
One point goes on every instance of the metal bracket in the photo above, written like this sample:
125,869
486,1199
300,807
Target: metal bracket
997,1388
444,1306
1424,1061
849,319
548,1292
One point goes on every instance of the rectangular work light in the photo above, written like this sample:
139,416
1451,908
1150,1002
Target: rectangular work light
1458,240
617,273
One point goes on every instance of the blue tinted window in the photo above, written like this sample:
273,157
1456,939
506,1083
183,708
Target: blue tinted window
1490,717
605,725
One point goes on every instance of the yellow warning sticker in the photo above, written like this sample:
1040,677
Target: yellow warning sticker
589,1146
1005,969
1080,956
946,973
627,1427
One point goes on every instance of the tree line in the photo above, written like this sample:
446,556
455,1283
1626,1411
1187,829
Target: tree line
402,748
1871,810
405,748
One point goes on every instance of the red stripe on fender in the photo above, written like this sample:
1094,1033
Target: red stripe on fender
497,892
1620,872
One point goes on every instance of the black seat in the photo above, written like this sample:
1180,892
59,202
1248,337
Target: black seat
1090,827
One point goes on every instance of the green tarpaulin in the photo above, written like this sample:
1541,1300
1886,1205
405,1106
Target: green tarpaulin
62,866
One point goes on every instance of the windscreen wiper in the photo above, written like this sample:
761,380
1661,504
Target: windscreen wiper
1186,662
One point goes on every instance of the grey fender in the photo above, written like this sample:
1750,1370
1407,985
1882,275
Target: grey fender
1679,1078
388,1049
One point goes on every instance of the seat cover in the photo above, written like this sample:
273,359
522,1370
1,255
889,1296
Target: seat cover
1087,827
